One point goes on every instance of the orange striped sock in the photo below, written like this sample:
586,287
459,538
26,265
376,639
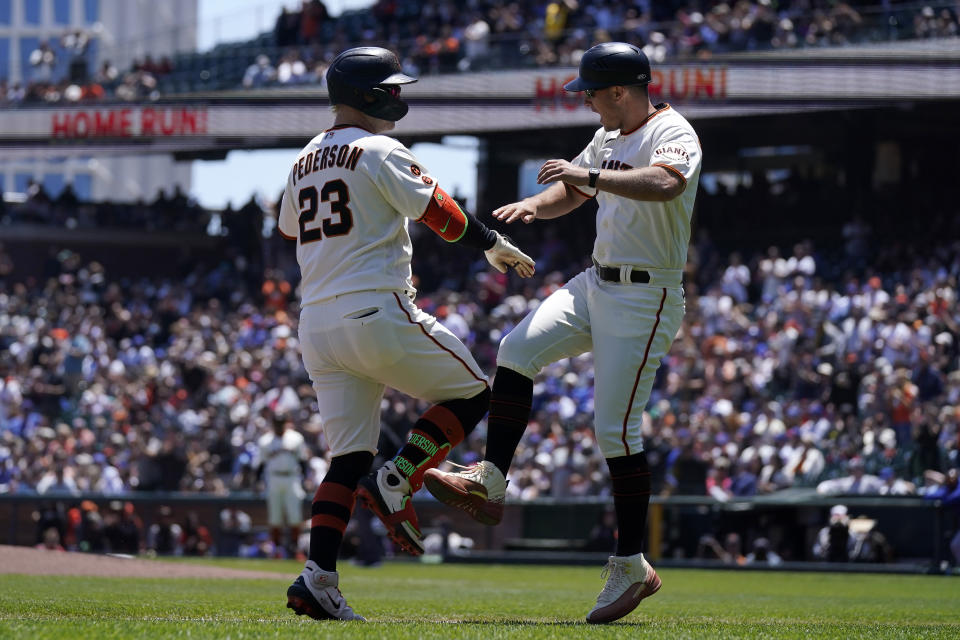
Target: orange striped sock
330,512
436,432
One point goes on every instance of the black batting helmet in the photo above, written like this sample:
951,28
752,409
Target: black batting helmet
611,64
368,79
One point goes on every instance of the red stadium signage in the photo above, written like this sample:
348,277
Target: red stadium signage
672,83
689,83
129,122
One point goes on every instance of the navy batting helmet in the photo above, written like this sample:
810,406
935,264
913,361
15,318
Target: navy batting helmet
368,79
611,64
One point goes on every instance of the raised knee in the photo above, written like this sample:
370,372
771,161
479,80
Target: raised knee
511,352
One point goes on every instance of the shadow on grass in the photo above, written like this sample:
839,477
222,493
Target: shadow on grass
531,623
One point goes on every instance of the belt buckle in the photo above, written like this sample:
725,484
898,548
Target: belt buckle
625,270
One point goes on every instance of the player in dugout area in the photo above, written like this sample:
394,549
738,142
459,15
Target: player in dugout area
347,203
642,166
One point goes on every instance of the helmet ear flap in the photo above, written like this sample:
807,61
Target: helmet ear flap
380,103
376,95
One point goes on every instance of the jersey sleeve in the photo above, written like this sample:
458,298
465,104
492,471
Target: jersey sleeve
405,183
287,221
588,159
679,151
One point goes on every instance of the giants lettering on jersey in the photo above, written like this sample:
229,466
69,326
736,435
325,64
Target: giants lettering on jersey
615,165
672,152
326,157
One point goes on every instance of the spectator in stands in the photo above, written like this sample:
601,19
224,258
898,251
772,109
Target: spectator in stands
857,483
894,486
287,28
59,480
719,480
744,481
260,73
42,59
772,477
690,468
476,45
736,279
75,42
291,69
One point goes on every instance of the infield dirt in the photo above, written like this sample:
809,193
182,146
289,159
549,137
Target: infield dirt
62,563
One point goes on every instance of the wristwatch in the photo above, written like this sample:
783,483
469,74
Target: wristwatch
594,174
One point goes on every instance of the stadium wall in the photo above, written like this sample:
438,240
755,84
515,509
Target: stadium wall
915,528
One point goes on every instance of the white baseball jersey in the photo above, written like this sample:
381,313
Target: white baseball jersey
638,232
347,202
282,455
628,326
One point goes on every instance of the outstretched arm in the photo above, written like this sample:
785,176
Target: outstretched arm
445,218
555,201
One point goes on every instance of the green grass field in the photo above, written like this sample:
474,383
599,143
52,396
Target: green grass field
410,600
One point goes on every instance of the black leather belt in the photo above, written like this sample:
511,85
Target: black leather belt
612,274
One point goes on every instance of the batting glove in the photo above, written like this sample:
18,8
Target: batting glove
504,254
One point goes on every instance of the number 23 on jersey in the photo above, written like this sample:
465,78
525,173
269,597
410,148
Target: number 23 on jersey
336,193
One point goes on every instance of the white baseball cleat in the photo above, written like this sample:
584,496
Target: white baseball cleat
630,579
479,490
388,494
315,593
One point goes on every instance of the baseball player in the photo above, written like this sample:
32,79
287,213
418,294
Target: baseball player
283,459
642,166
348,200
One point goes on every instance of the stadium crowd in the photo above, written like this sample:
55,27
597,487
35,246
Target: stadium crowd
443,36
439,37
793,368
60,70
173,212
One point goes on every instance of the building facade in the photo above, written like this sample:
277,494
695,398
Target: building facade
57,40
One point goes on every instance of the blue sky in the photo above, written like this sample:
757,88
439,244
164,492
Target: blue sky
215,184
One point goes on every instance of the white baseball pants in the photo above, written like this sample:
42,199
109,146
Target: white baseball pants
629,328
284,501
357,344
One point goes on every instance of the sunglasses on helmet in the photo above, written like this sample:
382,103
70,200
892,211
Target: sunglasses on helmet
392,89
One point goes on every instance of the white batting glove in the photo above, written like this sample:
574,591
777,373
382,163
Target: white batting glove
504,254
